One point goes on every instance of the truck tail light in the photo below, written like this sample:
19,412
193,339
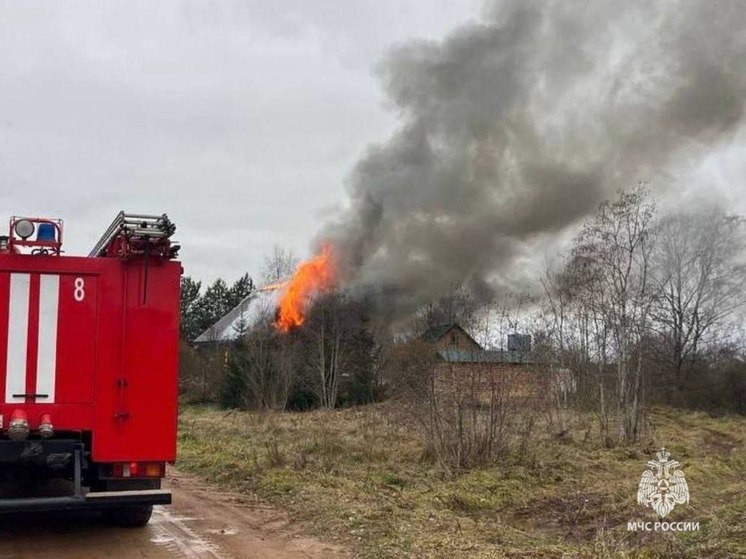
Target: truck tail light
46,429
18,428
138,470
155,469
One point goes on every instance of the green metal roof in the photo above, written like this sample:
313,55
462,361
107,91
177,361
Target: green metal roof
455,355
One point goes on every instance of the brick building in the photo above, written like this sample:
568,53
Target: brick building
460,358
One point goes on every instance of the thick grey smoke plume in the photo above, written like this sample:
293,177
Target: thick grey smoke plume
515,128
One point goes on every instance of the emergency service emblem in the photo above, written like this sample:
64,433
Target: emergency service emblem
663,486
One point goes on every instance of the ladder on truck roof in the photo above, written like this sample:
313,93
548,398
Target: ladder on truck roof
135,234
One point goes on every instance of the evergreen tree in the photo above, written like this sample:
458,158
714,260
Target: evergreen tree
233,386
212,305
241,288
190,294
199,311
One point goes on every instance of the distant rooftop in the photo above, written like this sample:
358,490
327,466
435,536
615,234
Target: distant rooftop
455,355
519,347
435,333
246,314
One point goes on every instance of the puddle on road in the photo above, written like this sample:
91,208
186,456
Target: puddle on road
161,538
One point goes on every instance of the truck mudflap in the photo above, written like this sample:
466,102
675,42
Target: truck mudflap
91,501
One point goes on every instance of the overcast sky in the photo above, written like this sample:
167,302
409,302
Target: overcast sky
241,120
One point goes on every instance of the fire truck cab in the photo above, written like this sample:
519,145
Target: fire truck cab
88,367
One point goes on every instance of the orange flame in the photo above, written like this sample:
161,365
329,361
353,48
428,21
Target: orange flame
311,277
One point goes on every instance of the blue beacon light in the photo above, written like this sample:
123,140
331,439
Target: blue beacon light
46,232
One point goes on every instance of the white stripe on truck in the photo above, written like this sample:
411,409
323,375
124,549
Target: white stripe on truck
15,376
49,297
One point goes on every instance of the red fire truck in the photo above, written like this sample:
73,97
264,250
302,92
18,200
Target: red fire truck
88,367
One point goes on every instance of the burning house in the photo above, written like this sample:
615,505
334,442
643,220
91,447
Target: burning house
512,131
241,318
285,302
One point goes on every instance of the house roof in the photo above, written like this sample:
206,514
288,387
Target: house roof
244,315
436,333
455,355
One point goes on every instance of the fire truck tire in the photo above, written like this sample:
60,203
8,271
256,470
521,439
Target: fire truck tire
129,517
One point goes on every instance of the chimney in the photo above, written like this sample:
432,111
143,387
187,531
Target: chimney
519,342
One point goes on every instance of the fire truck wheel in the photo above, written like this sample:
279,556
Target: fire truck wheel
129,517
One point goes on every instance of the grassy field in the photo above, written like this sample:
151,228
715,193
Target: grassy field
359,477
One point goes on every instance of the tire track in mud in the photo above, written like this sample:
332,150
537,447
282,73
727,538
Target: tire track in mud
210,522
204,522
173,533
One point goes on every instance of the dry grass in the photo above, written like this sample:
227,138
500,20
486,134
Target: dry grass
360,477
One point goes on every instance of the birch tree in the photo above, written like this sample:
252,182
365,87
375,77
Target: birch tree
614,249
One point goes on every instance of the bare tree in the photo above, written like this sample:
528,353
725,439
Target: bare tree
456,306
557,329
268,367
199,372
636,293
614,254
575,342
328,329
260,366
329,340
466,412
591,301
279,265
700,277
492,321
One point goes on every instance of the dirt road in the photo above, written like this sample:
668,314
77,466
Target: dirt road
203,522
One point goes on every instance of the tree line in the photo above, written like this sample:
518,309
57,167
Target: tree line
648,308
201,309
330,361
